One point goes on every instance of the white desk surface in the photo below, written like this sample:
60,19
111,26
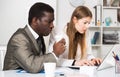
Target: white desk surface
90,72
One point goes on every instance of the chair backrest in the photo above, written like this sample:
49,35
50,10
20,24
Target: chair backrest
2,55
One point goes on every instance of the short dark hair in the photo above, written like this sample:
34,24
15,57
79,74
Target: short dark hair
38,9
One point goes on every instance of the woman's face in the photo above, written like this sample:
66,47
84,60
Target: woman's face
82,24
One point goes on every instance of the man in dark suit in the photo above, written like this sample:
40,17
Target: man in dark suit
23,51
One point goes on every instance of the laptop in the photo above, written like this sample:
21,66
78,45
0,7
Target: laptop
108,60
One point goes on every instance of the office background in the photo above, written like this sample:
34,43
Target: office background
14,14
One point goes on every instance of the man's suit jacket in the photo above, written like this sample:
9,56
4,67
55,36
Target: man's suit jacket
23,52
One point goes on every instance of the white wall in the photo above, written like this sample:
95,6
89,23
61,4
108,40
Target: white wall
14,14
64,12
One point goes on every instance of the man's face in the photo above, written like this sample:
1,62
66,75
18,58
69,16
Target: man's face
45,24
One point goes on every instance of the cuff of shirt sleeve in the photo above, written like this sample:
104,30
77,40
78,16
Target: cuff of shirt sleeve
73,63
55,56
89,57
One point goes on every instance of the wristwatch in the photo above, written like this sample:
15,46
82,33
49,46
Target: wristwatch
76,3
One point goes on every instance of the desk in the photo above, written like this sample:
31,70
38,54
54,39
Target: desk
110,72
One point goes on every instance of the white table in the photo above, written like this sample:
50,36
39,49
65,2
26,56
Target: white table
110,72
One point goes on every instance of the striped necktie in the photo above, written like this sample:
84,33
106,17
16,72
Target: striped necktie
41,44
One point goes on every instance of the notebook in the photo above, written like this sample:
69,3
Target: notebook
108,60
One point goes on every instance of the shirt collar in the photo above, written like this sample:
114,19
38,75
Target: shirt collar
33,32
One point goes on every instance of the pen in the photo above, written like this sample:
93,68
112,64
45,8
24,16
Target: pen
76,68
115,56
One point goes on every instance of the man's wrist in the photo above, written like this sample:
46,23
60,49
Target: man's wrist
55,55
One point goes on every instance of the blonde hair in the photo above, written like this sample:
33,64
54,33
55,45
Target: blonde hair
75,37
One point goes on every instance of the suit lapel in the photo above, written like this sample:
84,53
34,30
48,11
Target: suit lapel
32,38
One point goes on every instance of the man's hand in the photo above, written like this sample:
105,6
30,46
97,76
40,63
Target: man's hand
59,47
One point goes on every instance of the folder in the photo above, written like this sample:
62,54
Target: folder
98,15
95,37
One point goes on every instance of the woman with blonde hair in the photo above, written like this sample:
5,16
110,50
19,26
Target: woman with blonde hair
78,51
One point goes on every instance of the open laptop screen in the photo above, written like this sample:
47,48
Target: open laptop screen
108,60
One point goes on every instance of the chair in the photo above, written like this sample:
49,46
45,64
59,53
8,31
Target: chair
2,55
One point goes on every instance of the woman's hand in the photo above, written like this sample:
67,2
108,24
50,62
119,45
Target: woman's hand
96,61
84,62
